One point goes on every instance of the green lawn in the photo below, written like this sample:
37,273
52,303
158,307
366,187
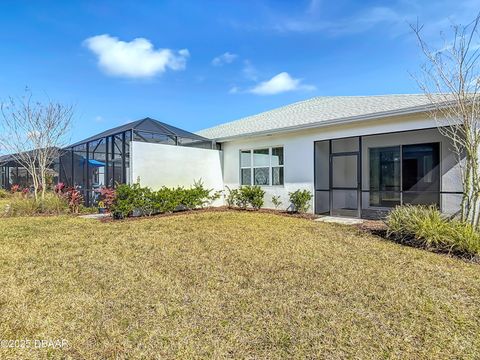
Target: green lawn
230,285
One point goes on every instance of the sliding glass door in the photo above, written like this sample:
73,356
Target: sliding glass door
421,174
406,174
385,176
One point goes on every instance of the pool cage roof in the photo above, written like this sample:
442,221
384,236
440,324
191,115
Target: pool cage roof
12,159
5,159
148,125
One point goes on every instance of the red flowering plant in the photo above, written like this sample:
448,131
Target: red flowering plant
108,196
74,199
15,188
58,189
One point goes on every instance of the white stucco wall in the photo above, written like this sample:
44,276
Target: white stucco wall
299,152
158,165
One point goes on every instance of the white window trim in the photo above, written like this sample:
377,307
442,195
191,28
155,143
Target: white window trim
270,166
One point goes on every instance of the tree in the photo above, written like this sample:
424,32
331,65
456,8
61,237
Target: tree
34,133
450,78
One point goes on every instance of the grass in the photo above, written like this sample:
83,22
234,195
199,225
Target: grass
3,203
230,285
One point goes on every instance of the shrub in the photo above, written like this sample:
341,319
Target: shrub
197,196
426,226
59,188
245,196
4,194
231,197
164,200
52,204
74,200
20,206
253,196
300,200
276,201
129,197
108,196
419,222
466,237
236,198
134,198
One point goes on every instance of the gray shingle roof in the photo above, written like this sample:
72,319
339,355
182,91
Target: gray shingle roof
321,111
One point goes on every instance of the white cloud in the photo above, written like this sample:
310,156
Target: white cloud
226,58
282,82
134,59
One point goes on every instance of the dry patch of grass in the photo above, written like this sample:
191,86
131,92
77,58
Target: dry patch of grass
230,285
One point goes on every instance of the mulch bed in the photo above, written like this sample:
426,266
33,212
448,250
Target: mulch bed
379,228
376,227
306,216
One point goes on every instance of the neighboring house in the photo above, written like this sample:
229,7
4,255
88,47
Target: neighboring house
358,155
145,150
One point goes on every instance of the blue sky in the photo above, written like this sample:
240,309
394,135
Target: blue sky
195,64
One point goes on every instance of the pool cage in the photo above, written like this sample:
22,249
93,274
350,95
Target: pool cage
103,160
12,172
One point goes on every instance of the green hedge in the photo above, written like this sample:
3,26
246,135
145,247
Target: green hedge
135,199
426,225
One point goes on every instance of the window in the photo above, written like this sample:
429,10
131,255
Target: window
262,166
407,174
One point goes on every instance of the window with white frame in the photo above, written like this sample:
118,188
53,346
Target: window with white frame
261,166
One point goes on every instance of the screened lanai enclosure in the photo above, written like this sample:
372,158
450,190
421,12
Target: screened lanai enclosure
104,160
13,173
366,176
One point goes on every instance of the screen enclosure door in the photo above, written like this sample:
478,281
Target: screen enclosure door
344,191
337,177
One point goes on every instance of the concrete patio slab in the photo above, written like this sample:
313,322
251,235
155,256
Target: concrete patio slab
339,220
94,216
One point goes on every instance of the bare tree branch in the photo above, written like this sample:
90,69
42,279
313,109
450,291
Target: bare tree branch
451,81
34,133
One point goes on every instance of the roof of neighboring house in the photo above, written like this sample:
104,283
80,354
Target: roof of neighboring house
323,110
147,124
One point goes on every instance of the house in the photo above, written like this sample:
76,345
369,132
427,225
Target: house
358,155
